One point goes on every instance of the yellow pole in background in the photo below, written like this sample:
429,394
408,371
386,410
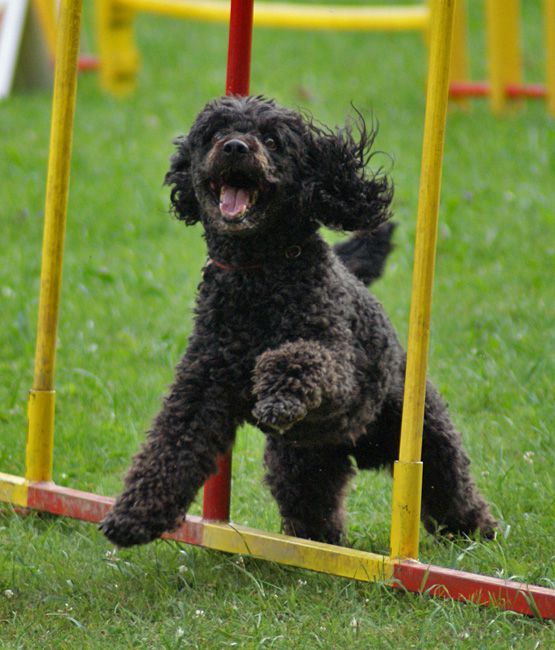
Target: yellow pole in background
459,69
119,57
40,434
46,12
407,477
503,49
549,18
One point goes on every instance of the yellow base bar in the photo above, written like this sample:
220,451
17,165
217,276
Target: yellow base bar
13,489
294,551
405,509
40,435
275,14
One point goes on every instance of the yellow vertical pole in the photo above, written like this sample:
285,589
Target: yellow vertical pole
503,49
407,479
549,27
40,434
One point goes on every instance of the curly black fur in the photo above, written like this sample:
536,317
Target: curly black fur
286,336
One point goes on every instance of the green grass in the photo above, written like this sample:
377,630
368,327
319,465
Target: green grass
129,283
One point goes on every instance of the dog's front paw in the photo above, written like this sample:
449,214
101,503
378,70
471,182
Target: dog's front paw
124,530
279,414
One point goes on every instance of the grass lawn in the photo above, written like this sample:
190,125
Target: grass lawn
130,276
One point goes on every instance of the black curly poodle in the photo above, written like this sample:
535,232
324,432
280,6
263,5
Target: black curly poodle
286,335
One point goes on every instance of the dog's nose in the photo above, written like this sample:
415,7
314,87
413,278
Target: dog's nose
236,146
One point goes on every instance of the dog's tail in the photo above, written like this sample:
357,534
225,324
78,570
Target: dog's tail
365,253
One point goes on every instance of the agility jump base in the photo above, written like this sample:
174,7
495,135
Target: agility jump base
400,569
407,575
505,61
119,56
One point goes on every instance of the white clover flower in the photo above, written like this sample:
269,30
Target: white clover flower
528,457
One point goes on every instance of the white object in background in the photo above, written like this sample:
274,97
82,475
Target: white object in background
12,21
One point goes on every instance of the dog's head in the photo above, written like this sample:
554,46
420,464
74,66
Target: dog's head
248,165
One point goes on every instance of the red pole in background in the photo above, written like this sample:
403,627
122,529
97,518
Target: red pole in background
217,489
239,49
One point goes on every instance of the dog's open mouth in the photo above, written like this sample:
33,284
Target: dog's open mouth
235,202
235,198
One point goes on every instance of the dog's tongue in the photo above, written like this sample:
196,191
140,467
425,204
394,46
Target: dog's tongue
233,201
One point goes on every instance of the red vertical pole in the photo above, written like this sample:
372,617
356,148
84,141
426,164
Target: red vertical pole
217,489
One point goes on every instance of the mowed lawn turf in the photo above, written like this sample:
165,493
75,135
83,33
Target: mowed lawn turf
130,277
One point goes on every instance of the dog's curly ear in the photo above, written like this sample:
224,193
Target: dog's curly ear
183,198
338,192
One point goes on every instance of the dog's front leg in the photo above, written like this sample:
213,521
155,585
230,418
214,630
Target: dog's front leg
310,486
300,377
192,428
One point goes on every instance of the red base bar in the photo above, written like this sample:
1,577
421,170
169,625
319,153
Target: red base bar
412,576
88,62
49,497
482,89
530,91
469,89
471,587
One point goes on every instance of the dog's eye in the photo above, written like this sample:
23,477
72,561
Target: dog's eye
217,136
270,143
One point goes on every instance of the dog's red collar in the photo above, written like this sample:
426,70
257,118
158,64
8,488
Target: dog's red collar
230,267
290,253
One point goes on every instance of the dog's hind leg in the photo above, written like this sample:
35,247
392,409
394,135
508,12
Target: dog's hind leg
451,502
192,428
309,485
